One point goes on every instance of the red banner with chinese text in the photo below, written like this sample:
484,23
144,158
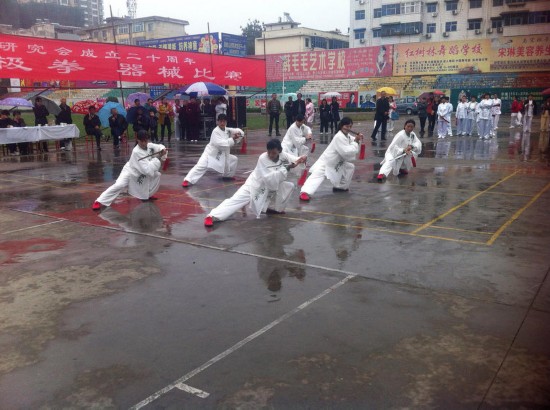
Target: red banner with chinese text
360,62
46,59
520,53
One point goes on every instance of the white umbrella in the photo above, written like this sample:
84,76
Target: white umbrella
331,94
202,89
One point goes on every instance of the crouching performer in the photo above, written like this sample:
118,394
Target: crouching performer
140,175
265,190
217,155
335,162
402,153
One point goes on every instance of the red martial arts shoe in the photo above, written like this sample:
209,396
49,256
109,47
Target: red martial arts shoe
153,198
380,177
304,197
208,221
185,184
96,206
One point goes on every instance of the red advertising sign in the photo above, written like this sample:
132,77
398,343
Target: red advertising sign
330,64
29,57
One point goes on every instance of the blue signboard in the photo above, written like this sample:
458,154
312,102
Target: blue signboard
233,45
198,43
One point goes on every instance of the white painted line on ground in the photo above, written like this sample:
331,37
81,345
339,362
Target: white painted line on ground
32,227
240,344
189,389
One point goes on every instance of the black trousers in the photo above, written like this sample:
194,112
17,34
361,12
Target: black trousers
380,123
96,133
431,123
288,121
422,124
166,123
274,117
324,125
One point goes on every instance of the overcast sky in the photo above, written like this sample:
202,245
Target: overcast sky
228,15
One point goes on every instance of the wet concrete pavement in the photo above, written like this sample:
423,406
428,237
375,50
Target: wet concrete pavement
428,291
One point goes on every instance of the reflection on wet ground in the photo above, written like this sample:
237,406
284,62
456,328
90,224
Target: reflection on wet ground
428,276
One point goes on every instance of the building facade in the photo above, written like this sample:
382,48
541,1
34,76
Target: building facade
378,22
287,37
131,31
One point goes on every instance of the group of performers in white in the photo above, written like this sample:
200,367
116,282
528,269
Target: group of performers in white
485,113
267,189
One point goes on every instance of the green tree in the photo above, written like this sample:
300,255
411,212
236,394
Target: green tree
252,31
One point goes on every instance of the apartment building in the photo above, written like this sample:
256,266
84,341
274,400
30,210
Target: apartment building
379,22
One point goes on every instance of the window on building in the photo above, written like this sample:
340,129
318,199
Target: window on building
401,29
496,23
376,33
391,9
138,28
64,2
96,34
104,34
359,34
359,14
122,30
431,7
475,4
451,5
411,7
539,17
318,42
474,24
497,3
377,13
515,19
431,28
450,26
307,42
150,26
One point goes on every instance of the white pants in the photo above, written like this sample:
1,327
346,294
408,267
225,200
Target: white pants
241,198
177,129
201,167
395,165
461,126
318,176
443,128
527,123
484,128
514,120
469,127
496,119
121,184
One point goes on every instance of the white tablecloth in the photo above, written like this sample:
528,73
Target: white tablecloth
34,134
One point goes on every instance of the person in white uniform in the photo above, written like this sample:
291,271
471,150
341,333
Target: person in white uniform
444,111
495,112
484,117
404,148
462,116
140,175
471,116
335,163
295,140
265,190
217,154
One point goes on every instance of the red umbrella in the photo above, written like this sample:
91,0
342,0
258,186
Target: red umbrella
438,92
546,92
81,107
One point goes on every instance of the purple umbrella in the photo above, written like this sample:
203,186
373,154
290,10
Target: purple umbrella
142,97
15,102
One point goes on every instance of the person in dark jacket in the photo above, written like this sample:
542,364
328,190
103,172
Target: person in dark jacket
298,107
334,115
274,110
381,116
18,121
92,125
153,126
433,105
288,112
141,121
6,122
118,126
422,107
41,117
64,117
324,115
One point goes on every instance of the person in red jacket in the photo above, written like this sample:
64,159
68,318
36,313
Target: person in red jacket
517,108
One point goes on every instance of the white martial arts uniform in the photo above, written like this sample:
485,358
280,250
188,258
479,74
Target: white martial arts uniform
294,142
461,118
334,164
141,178
444,112
471,117
397,147
216,155
265,188
484,118
528,110
495,113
